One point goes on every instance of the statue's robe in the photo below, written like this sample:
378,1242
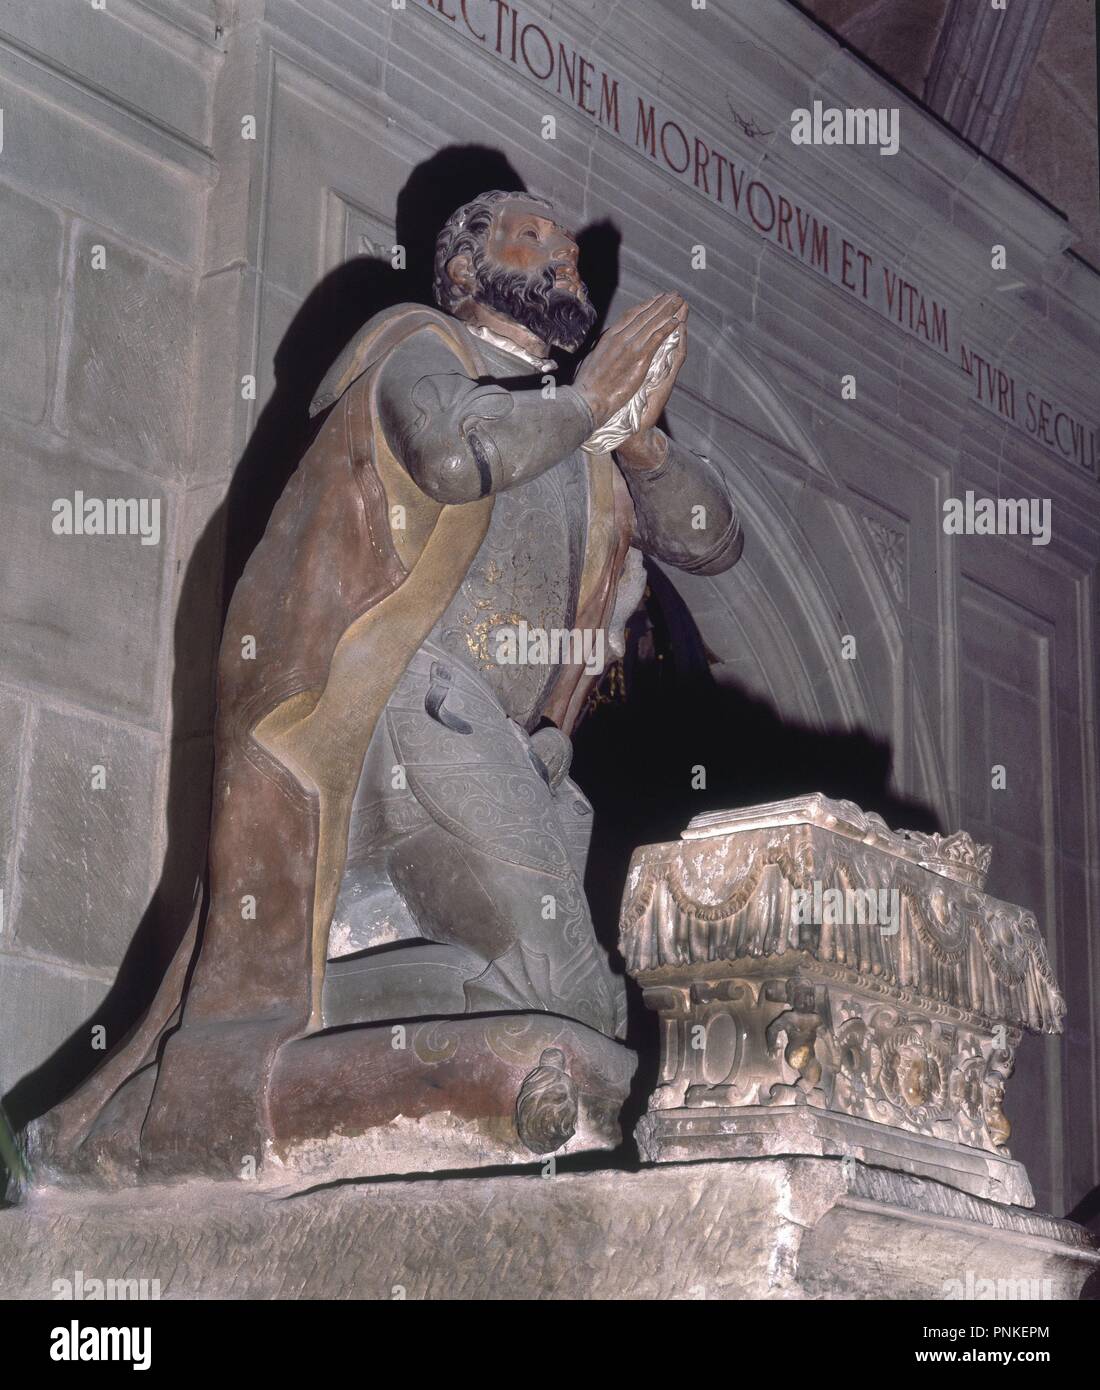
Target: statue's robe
334,602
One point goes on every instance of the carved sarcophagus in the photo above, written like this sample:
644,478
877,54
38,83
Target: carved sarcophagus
828,986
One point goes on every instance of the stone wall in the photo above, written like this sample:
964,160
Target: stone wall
105,172
240,257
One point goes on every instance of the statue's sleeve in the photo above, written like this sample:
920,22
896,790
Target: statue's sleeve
684,514
461,439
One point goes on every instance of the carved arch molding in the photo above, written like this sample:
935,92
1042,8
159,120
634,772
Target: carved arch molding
819,562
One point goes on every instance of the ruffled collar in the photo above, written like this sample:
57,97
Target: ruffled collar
497,340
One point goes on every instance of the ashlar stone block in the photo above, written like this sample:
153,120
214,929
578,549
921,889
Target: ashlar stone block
84,871
129,363
30,287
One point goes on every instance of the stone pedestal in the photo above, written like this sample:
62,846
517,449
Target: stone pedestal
828,1121
689,1134
773,1228
828,986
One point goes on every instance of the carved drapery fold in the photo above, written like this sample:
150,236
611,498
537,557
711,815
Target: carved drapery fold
731,896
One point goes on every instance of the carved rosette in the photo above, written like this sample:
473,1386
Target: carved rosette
907,1018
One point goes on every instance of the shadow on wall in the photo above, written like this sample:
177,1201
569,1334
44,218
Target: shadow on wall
649,730
1087,1213
633,757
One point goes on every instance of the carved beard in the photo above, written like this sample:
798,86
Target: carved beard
555,315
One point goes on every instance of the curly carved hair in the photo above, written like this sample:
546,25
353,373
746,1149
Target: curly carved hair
465,233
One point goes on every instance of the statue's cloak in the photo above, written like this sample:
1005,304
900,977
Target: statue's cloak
355,567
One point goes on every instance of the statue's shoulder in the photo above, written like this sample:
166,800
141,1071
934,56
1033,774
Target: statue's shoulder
380,335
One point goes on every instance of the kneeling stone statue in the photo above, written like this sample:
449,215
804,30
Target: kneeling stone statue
397,969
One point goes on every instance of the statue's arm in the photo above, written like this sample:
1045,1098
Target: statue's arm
684,514
461,440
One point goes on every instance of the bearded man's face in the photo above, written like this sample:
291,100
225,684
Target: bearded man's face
528,270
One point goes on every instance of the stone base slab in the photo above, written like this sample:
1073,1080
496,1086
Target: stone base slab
765,1228
734,1132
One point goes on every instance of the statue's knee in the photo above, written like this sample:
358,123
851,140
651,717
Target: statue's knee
454,893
